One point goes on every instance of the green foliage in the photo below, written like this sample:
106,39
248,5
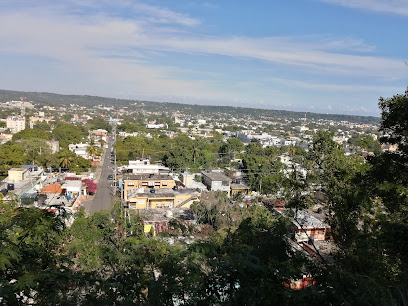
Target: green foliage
42,125
11,155
263,168
67,133
99,123
32,133
366,142
394,121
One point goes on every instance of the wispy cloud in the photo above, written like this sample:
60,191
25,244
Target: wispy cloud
163,15
94,41
399,7
333,87
66,37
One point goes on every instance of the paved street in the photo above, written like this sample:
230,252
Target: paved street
104,195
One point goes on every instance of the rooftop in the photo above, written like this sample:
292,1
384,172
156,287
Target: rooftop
163,215
216,176
146,177
159,193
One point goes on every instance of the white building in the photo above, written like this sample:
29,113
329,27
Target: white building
16,123
143,166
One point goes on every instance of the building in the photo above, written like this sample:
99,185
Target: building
143,166
16,123
150,181
18,174
99,134
239,188
143,198
73,189
307,226
216,181
189,181
34,120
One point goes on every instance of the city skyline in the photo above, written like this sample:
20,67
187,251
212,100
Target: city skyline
327,56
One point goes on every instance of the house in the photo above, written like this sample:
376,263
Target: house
307,226
143,166
189,180
31,168
152,181
18,174
21,181
157,221
99,134
216,181
143,198
73,189
239,188
52,189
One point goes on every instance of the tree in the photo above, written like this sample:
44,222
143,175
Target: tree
32,133
92,151
91,186
65,159
67,133
231,148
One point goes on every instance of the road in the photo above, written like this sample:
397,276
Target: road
104,194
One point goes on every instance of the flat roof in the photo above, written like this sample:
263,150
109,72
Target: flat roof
159,193
18,169
147,177
216,176
239,186
72,184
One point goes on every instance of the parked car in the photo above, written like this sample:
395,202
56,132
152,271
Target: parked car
110,177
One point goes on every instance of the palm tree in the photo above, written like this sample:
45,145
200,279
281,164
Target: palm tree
292,150
92,151
32,155
102,142
65,159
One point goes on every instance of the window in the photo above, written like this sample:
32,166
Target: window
131,184
164,183
157,184
151,184
144,184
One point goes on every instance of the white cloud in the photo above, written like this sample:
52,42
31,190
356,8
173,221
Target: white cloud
107,49
399,7
163,15
65,37
334,87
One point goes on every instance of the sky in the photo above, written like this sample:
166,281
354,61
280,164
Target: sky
326,56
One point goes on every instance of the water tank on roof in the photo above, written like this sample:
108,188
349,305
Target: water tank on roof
10,186
169,214
152,191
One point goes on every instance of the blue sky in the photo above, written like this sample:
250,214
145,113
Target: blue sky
328,56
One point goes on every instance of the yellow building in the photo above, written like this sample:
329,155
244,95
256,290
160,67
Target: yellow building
235,188
151,181
18,174
33,120
161,198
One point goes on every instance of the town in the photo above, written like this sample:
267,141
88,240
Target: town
184,175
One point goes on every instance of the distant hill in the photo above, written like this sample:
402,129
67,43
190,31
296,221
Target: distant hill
53,99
